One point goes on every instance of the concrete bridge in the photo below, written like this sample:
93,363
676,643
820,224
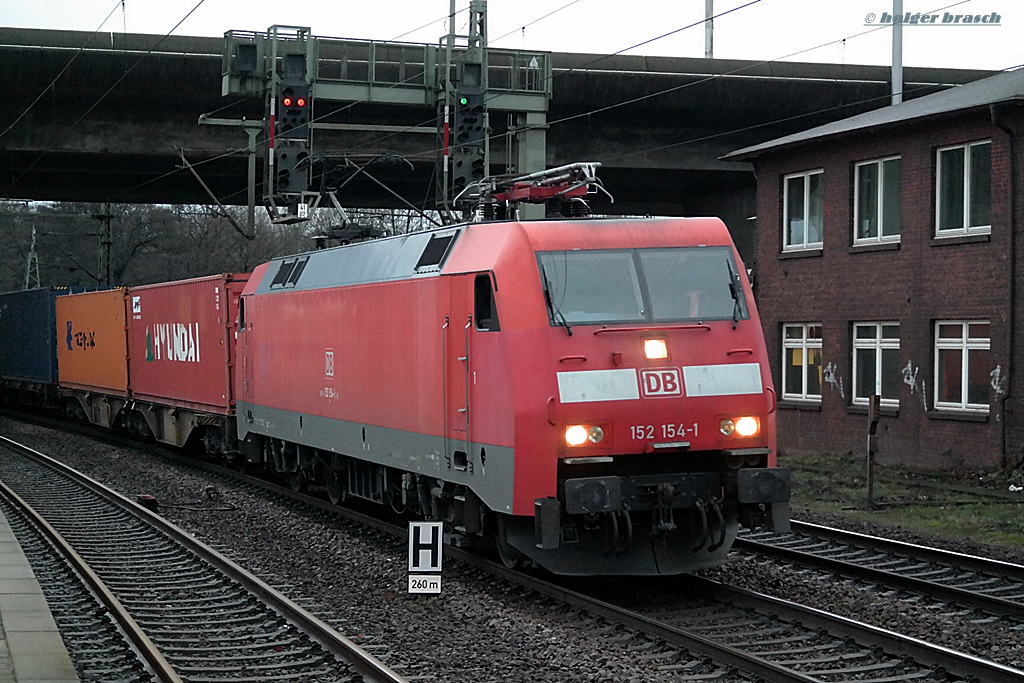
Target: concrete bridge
112,121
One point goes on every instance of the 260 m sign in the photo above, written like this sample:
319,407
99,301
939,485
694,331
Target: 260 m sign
419,583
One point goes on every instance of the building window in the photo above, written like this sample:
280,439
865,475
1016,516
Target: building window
963,195
876,211
801,362
804,211
876,362
963,363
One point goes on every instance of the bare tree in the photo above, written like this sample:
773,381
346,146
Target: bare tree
159,243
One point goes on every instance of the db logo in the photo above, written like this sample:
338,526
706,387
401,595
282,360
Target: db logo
329,362
661,382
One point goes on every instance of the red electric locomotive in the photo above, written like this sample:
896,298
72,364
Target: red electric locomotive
592,394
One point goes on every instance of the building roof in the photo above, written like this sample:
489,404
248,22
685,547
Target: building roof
1008,85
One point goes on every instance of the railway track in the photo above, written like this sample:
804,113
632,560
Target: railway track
193,614
693,630
101,648
774,639
990,586
703,630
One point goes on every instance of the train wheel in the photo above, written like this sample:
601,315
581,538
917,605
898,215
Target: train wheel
509,556
297,481
336,493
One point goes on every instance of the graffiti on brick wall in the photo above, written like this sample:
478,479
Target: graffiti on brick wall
910,379
833,379
998,383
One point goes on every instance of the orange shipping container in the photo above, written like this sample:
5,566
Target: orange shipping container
92,342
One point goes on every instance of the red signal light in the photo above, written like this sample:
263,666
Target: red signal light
287,101
301,102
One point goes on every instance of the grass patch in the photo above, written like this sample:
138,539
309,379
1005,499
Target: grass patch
979,508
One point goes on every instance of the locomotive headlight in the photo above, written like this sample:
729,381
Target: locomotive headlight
740,426
576,435
747,426
580,435
655,349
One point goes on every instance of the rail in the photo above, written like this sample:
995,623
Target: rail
361,662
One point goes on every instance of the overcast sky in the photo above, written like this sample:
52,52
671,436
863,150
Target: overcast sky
847,32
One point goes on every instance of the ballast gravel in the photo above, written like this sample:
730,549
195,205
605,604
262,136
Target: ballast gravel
478,630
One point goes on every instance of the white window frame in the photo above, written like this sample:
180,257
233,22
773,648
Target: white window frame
806,175
878,344
967,229
880,210
965,344
804,344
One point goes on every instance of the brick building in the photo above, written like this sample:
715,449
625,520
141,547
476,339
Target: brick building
890,261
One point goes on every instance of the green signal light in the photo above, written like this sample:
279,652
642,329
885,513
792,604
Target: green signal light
463,100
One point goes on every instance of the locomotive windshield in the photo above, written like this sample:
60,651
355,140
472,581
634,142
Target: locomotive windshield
676,284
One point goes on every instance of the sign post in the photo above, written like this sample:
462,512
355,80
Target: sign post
874,410
425,544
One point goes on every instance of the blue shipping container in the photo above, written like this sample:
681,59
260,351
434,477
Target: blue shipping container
28,334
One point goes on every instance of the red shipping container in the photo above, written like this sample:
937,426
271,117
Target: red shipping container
181,338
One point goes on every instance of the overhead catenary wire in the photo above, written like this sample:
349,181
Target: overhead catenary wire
734,72
346,107
785,119
739,71
535,21
56,78
602,57
333,112
428,24
109,90
242,150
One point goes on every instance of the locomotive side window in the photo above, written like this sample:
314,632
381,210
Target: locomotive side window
283,273
434,253
642,285
484,311
289,272
300,265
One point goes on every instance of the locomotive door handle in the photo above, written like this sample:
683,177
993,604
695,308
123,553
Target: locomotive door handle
749,352
771,392
551,412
